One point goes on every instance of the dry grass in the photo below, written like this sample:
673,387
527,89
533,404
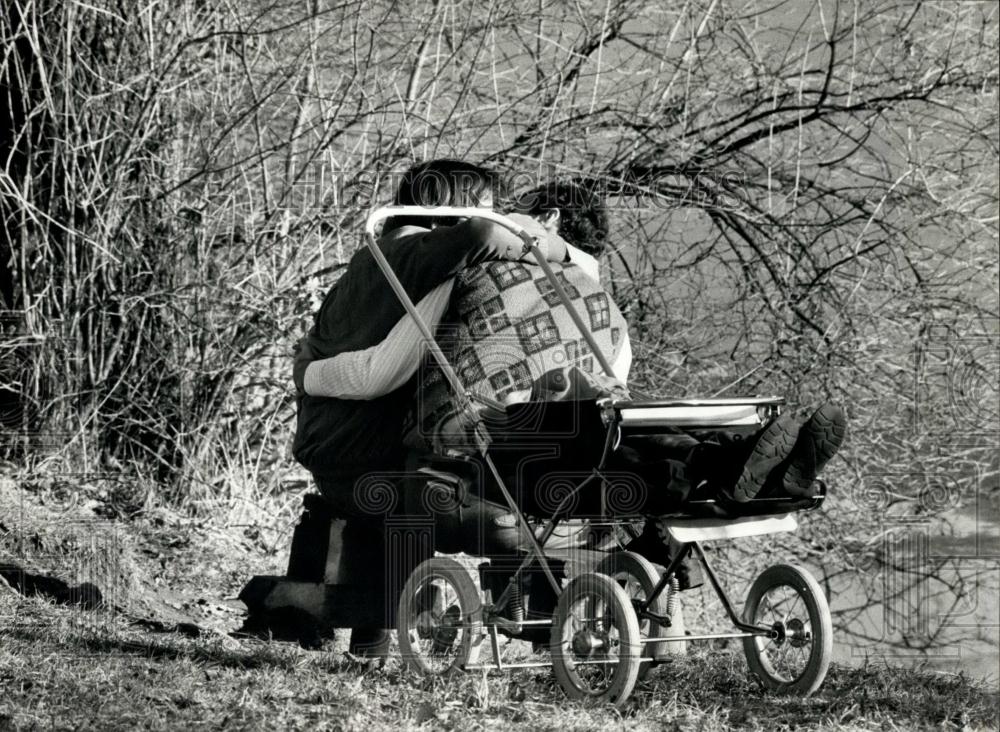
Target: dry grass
169,226
71,668
59,670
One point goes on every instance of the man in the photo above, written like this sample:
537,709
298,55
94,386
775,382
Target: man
349,421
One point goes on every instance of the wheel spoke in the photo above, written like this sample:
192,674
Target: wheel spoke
784,604
592,660
792,601
794,611
767,599
804,655
438,617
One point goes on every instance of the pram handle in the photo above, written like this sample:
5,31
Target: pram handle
712,412
754,401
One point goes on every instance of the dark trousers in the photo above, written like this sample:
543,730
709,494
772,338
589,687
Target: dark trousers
674,464
378,546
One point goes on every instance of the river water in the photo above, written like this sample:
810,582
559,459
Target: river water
933,597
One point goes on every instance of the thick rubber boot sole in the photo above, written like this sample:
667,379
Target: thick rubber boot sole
773,446
819,440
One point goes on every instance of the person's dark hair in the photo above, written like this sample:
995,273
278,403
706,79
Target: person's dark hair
443,182
583,220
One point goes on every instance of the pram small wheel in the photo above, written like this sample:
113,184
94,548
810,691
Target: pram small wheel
796,657
595,640
638,577
440,618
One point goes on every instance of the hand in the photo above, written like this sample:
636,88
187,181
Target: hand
530,224
551,244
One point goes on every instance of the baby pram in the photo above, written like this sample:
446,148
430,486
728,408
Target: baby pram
610,618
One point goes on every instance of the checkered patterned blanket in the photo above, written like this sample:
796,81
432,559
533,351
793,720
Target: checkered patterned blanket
505,328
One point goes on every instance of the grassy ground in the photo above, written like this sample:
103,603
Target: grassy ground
57,668
67,667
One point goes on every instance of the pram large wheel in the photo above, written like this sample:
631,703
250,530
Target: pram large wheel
638,577
440,618
595,640
790,601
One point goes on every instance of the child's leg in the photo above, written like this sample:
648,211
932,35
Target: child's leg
739,466
783,458
661,471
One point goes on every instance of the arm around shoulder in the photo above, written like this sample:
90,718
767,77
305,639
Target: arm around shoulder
477,240
502,243
373,372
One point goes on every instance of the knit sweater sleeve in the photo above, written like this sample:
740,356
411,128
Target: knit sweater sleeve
384,367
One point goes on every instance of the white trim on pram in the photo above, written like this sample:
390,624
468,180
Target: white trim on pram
768,401
714,412
717,416
686,531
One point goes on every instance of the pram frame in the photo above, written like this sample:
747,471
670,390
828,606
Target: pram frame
611,414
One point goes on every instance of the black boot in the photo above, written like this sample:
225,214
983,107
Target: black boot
818,441
310,541
772,446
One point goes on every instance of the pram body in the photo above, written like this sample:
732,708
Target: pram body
613,618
